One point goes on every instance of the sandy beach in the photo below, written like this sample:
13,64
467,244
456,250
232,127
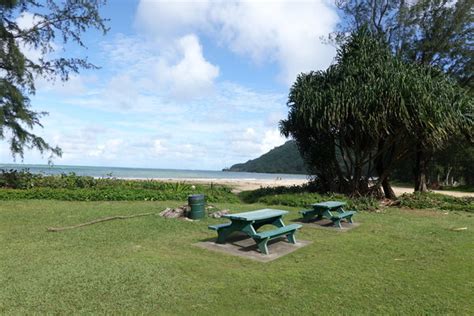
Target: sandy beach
253,184
243,184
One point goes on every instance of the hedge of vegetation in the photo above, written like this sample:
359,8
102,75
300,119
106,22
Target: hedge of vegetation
301,196
16,185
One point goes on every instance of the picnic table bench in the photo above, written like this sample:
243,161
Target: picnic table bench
332,210
250,222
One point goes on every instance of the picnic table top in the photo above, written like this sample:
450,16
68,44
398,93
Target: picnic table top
329,204
256,215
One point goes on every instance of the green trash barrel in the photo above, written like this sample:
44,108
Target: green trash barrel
197,203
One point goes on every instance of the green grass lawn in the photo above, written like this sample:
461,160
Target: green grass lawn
396,262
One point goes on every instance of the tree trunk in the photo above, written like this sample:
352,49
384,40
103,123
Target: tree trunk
446,180
421,169
356,180
387,189
381,166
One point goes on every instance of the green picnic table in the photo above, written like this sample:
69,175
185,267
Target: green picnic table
332,210
250,222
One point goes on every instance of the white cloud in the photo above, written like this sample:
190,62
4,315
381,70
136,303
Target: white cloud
121,92
192,75
224,128
176,69
27,20
113,148
252,143
283,31
158,146
271,139
77,85
179,141
273,118
165,19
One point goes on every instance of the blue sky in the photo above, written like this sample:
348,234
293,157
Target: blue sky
182,84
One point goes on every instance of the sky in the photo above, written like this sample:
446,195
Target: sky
182,84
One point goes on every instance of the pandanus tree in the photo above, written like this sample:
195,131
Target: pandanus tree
435,33
353,121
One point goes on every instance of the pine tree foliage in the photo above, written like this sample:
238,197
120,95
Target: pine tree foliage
52,22
431,32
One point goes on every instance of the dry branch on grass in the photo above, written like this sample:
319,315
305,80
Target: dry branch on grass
58,229
178,212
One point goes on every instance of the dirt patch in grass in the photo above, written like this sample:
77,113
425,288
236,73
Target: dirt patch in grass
245,247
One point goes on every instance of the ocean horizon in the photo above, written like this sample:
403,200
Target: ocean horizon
147,173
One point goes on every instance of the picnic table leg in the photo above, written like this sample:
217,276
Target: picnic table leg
262,246
307,216
291,238
337,222
224,233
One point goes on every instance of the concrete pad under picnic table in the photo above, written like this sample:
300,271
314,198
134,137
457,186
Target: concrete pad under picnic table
242,246
328,224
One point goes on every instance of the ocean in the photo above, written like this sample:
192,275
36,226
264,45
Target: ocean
148,173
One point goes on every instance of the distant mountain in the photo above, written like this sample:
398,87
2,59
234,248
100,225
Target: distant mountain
283,159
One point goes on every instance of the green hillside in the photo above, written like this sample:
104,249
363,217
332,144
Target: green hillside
283,159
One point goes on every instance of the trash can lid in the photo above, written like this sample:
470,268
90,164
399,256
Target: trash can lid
196,196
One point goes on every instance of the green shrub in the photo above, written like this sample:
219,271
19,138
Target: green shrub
297,196
17,179
437,201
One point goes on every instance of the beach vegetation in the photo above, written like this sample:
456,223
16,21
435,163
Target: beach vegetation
22,184
44,24
159,193
301,196
429,200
